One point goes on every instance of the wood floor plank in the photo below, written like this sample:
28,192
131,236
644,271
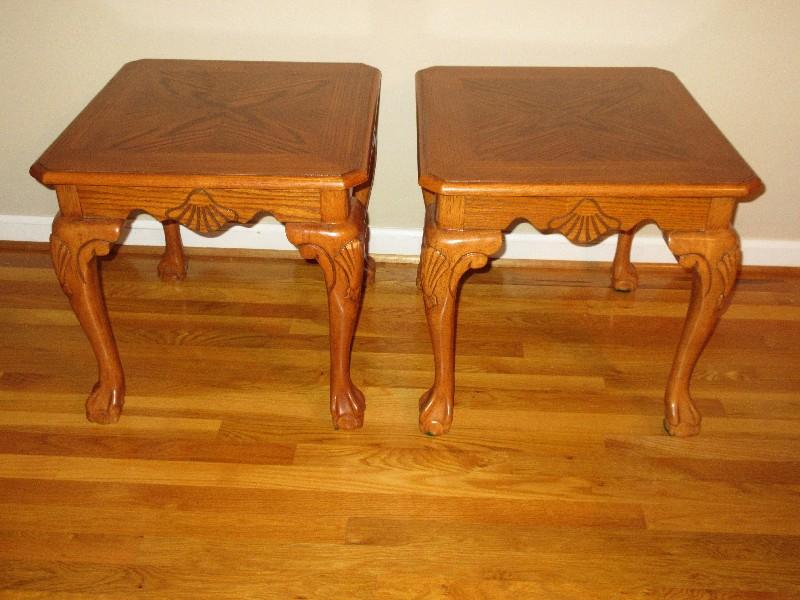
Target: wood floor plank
69,546
291,505
137,522
476,538
93,580
440,588
48,421
59,444
505,563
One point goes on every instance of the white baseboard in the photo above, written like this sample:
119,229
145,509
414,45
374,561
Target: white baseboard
145,231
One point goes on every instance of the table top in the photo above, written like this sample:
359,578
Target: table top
222,123
542,131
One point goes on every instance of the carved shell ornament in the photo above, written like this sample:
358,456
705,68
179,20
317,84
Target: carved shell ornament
585,223
200,212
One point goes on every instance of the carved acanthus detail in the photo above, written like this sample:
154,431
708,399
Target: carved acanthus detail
585,223
728,269
438,275
61,258
349,264
715,256
72,253
342,261
200,212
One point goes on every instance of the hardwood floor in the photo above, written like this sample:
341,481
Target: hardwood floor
224,478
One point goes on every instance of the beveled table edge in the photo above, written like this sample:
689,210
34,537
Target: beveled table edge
51,178
746,190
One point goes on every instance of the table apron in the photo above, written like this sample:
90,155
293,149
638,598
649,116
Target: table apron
583,219
199,209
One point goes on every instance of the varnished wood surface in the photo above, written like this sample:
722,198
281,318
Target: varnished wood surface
222,124
570,132
225,479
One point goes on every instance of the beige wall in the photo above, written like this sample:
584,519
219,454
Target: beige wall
741,60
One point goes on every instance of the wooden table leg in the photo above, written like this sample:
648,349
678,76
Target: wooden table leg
446,256
75,245
623,274
714,258
370,271
340,251
362,194
172,266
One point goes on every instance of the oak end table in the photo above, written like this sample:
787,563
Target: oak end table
204,144
585,152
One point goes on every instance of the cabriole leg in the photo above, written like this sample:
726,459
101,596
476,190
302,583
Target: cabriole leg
623,274
339,250
446,256
715,259
362,194
370,271
172,266
75,245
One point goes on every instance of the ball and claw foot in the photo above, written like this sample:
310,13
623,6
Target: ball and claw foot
435,415
347,408
171,268
104,404
625,278
682,429
683,419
